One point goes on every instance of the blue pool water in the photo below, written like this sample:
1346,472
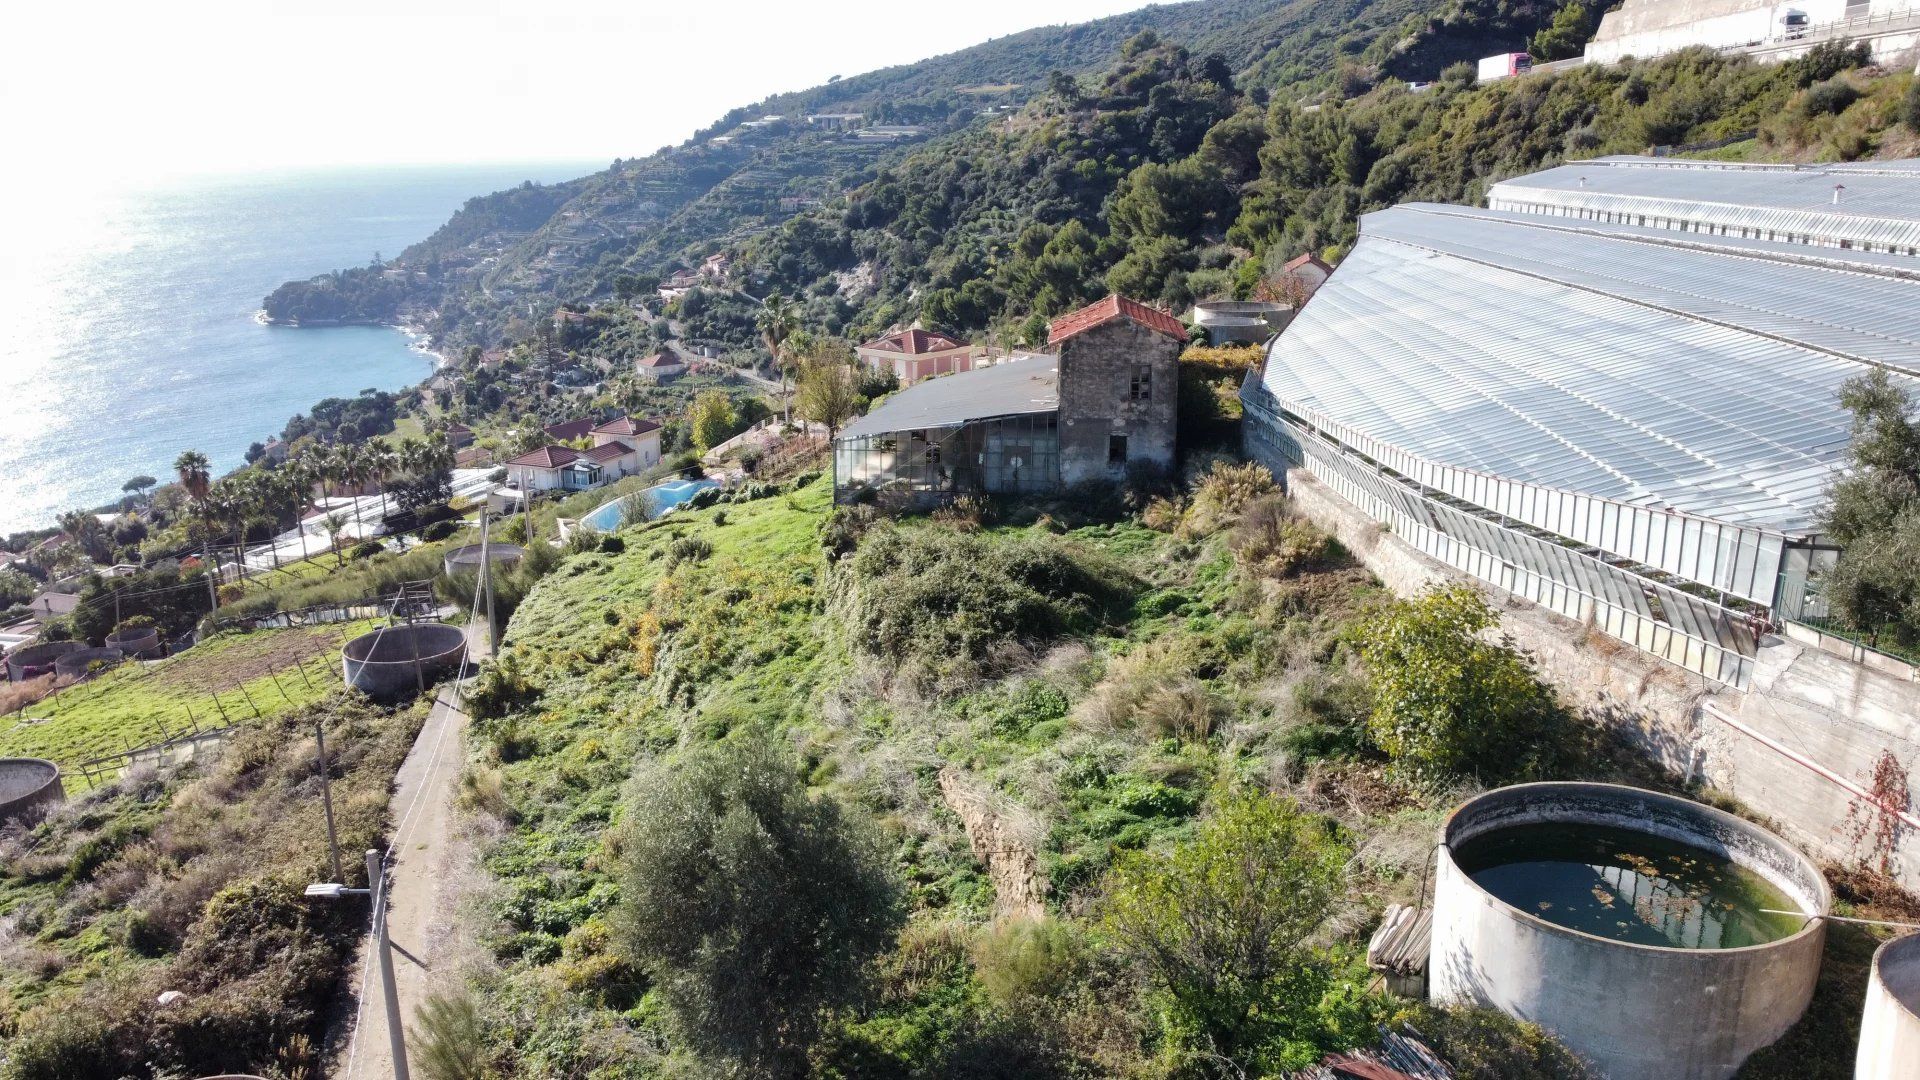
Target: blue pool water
659,499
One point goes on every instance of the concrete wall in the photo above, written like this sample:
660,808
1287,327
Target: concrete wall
1097,369
1649,28
1890,1026
1812,724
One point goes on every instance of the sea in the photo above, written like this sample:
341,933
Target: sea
128,328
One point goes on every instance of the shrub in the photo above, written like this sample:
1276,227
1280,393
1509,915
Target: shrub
1910,106
689,549
754,906
447,1038
366,549
612,545
1270,540
1221,925
1446,701
1022,961
439,530
945,601
1829,98
1223,492
1490,1045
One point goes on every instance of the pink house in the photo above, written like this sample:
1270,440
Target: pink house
913,355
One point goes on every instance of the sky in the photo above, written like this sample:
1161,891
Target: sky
98,87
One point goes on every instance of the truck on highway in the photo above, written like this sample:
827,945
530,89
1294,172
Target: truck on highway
1504,65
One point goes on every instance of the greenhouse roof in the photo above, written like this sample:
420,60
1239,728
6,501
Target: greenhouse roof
1597,360
1878,202
1024,384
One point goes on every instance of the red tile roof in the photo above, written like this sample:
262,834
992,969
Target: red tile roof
663,358
1102,312
626,425
570,430
914,342
548,457
607,451
1299,261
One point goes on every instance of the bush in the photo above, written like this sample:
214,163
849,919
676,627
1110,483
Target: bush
1487,1044
1446,701
942,602
1221,926
754,906
439,530
1910,106
1271,541
612,545
1829,98
1222,493
367,549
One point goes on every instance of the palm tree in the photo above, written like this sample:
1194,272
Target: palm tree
778,320
84,529
335,523
196,476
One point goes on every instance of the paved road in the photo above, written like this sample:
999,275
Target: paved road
423,875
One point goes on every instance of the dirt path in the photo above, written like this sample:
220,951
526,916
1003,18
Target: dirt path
422,875
1012,865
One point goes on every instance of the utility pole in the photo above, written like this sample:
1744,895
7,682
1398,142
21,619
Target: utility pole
326,798
383,949
486,582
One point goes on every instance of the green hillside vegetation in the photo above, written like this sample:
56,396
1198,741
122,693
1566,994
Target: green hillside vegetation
235,678
641,217
1048,726
190,880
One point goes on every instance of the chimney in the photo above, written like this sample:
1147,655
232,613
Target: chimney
1837,189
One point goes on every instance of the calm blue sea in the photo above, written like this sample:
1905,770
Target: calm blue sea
127,329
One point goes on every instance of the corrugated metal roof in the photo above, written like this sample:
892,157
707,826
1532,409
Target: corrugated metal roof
1594,362
1024,384
1880,203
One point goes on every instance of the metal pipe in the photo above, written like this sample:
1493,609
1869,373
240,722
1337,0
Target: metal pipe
1843,918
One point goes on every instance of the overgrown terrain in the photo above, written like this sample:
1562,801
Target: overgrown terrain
187,883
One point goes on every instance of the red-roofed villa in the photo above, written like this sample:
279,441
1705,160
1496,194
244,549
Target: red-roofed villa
913,355
1098,403
621,447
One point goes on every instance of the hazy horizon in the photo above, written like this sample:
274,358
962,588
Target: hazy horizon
227,87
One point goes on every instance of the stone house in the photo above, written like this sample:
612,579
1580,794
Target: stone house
1099,404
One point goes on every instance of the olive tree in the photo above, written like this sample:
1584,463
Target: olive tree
1874,512
754,905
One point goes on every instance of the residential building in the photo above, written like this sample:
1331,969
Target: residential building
663,366
916,354
835,121
1629,427
619,447
1100,404
1302,274
459,436
638,439
716,266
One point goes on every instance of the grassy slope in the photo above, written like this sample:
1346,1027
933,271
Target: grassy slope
635,659
137,704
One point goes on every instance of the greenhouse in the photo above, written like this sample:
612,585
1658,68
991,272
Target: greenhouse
1636,434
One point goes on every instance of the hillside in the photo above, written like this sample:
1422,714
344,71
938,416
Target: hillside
648,215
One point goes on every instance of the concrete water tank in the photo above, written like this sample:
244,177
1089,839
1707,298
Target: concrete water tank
37,660
467,559
29,787
383,664
1245,321
1890,1027
78,664
1629,868
142,644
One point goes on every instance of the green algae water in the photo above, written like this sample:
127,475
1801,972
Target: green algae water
1628,886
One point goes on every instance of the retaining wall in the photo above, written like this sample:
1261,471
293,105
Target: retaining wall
1811,725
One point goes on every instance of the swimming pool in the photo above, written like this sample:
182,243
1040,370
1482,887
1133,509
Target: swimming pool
658,499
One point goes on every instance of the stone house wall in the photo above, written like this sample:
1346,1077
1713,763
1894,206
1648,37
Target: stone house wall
1097,401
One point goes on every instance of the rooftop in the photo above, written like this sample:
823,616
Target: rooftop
1022,385
663,358
914,342
1879,200
623,426
569,430
1695,377
606,452
547,457
1114,306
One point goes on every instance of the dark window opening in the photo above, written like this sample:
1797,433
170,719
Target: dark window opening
1142,384
1116,449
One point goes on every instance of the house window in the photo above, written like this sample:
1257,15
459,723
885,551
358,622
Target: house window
1142,384
1116,449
